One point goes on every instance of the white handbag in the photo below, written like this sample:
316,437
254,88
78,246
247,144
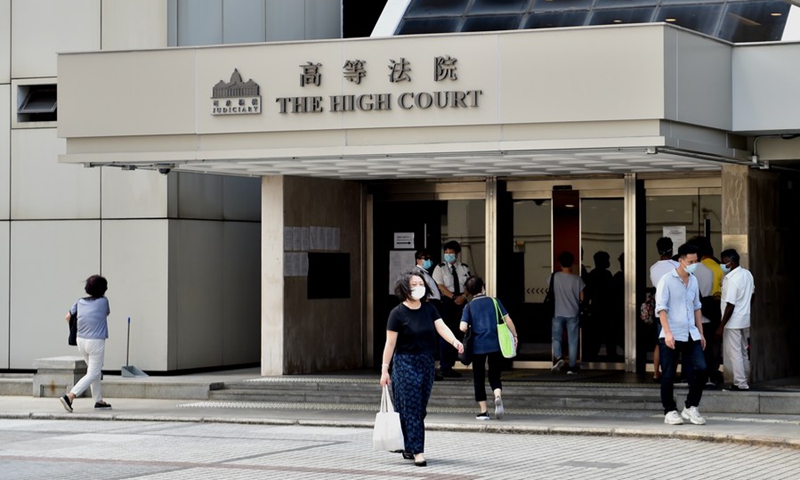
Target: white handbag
387,435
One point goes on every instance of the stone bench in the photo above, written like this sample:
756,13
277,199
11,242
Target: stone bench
55,376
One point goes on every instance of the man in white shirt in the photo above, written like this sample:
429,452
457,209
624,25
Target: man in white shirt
451,277
665,264
738,290
678,309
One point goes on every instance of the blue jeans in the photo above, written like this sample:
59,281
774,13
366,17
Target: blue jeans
572,337
694,362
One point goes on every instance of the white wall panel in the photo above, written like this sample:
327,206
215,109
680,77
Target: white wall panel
241,198
134,24
323,19
134,258
241,292
5,153
42,188
4,291
196,289
43,28
50,260
133,194
5,41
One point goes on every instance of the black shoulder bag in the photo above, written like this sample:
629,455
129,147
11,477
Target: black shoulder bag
466,357
550,300
73,327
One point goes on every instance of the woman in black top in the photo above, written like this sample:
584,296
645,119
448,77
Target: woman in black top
410,339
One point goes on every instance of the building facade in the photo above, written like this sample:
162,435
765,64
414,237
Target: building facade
301,176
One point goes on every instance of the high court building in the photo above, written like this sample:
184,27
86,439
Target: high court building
251,182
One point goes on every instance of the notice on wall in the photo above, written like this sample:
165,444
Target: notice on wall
403,240
399,261
677,234
295,264
324,238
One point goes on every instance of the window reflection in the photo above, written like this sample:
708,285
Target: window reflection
486,24
627,15
498,6
557,19
435,25
754,21
548,5
700,18
428,8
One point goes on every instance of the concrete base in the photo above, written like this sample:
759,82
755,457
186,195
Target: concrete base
55,376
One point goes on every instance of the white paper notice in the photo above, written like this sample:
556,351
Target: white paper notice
399,261
336,242
316,238
327,232
288,239
304,239
677,234
290,265
404,240
303,264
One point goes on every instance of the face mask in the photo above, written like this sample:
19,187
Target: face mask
427,264
725,268
691,268
418,292
450,257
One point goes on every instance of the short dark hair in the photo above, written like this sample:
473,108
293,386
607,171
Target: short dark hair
474,285
602,259
704,244
664,245
401,288
687,249
452,245
96,286
731,254
566,259
422,253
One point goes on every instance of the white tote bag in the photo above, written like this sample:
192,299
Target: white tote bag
388,435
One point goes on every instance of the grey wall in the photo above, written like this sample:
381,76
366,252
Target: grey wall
325,334
214,271
210,22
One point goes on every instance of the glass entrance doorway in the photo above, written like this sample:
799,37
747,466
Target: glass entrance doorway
585,218
404,224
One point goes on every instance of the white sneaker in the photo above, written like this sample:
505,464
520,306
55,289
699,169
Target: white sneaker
673,418
499,411
691,414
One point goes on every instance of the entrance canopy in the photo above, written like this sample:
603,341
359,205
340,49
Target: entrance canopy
632,98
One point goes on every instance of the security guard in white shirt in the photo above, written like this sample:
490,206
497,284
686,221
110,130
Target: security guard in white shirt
450,276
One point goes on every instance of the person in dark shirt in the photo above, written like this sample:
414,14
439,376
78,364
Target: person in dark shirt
482,315
410,338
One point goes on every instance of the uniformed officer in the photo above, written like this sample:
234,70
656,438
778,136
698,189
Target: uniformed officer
450,276
423,266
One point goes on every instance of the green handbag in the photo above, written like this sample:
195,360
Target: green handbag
504,334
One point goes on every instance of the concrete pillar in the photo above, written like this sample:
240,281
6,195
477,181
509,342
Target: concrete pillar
272,297
757,220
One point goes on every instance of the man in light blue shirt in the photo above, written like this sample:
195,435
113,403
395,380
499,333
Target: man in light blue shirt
678,309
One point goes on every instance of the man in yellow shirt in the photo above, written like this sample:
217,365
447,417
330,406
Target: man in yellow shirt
711,310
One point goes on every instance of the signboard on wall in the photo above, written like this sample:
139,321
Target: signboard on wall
677,234
403,240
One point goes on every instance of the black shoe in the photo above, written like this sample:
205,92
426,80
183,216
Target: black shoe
67,403
573,370
482,416
102,406
408,456
450,373
423,463
736,388
437,377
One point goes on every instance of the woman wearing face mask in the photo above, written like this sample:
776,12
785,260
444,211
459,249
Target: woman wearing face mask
410,338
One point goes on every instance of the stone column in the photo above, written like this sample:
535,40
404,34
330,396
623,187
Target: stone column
272,294
757,220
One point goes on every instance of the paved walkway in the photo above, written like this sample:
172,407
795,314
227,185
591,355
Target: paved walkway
78,449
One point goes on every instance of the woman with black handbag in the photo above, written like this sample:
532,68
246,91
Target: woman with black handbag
481,316
92,333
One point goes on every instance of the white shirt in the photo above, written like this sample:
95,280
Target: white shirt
680,301
737,289
660,268
443,276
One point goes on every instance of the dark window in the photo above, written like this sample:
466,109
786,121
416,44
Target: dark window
625,3
498,6
685,2
434,25
360,16
754,21
617,16
37,103
432,8
493,23
700,18
548,5
557,19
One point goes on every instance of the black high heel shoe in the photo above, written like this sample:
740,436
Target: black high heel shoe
408,456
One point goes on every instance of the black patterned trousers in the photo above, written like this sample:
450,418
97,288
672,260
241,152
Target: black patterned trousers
412,381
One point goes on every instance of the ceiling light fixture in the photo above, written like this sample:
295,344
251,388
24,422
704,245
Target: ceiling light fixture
670,19
617,21
776,14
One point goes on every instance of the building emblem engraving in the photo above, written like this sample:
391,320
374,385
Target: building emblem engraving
236,97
